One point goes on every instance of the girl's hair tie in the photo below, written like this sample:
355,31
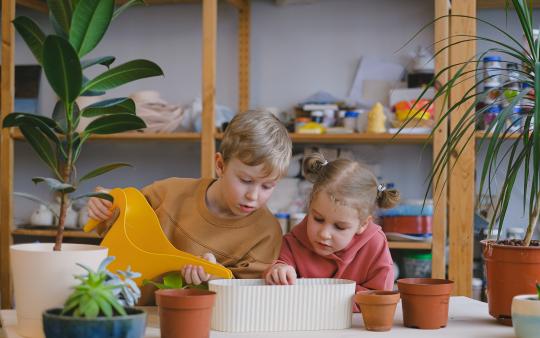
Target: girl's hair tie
324,163
381,188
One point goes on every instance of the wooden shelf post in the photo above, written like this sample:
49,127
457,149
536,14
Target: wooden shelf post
6,149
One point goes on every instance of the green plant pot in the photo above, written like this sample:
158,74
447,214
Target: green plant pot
59,326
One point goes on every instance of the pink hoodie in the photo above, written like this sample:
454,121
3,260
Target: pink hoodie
365,260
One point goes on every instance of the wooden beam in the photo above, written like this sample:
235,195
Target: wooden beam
7,94
239,4
208,144
37,5
461,180
442,28
244,18
491,4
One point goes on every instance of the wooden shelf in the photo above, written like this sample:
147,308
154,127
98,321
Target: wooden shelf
356,138
134,136
410,245
490,4
52,233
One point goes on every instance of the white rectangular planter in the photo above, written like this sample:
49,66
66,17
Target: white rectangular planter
248,305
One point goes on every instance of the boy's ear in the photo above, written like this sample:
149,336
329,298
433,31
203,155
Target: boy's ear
363,227
220,164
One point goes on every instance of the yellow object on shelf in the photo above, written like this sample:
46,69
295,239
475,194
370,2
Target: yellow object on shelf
136,239
311,128
376,119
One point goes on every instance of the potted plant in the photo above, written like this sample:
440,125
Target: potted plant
185,310
378,308
526,314
504,260
78,27
100,306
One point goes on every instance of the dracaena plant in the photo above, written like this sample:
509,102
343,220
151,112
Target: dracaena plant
78,28
523,151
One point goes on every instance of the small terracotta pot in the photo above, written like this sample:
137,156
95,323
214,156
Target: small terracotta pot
185,313
425,302
378,308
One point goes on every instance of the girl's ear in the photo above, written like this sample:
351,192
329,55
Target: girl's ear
220,164
364,226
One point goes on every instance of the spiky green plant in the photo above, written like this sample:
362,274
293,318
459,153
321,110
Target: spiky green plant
523,154
102,293
79,26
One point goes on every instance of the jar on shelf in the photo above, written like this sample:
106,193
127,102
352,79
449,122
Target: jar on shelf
283,219
492,71
417,265
317,116
300,122
349,121
490,114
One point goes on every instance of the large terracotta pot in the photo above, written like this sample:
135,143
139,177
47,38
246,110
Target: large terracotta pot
43,279
425,302
378,308
510,271
185,313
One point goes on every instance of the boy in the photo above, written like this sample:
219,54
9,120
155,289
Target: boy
225,219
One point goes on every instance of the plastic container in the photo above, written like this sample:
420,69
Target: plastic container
492,71
490,115
248,305
417,265
300,122
477,285
317,116
295,219
283,219
349,121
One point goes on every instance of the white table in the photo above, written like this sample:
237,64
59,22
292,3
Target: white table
468,318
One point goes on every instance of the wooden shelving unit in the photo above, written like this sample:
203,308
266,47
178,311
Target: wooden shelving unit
52,233
134,136
356,138
410,245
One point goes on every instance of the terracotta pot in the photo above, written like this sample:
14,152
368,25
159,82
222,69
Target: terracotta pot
510,271
185,313
425,302
378,308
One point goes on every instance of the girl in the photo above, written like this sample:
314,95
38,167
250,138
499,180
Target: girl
338,238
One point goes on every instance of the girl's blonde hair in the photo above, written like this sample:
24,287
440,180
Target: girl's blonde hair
258,137
348,183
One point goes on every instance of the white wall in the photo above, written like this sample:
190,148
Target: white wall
295,51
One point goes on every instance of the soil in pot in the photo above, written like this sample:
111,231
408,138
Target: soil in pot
378,308
185,313
425,302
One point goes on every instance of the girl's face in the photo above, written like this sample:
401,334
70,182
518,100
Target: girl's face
331,226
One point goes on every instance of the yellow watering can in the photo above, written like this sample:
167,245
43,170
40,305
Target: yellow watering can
137,240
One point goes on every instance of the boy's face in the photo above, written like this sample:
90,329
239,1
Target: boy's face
244,188
331,226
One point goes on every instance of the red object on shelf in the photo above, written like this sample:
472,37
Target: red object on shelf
407,224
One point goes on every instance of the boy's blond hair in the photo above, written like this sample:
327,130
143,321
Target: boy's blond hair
258,137
348,183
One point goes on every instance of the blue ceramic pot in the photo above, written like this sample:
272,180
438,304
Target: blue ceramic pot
130,326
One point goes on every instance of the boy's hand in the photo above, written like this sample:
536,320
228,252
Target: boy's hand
194,274
281,274
98,208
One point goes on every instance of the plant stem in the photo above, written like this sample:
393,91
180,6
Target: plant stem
533,219
66,178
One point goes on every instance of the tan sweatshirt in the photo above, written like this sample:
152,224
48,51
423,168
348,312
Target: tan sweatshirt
246,246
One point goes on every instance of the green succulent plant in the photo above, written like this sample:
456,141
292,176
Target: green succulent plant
102,293
78,28
538,290
523,151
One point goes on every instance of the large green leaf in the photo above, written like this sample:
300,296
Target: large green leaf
110,124
62,68
89,23
17,119
102,170
61,11
103,60
32,35
101,195
41,146
59,115
111,106
127,5
127,72
90,92
55,184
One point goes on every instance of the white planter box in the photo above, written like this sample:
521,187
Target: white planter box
248,305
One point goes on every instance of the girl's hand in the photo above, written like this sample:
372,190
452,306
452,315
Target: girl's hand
281,274
98,208
194,274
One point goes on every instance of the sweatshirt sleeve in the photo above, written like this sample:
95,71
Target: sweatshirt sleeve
381,271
